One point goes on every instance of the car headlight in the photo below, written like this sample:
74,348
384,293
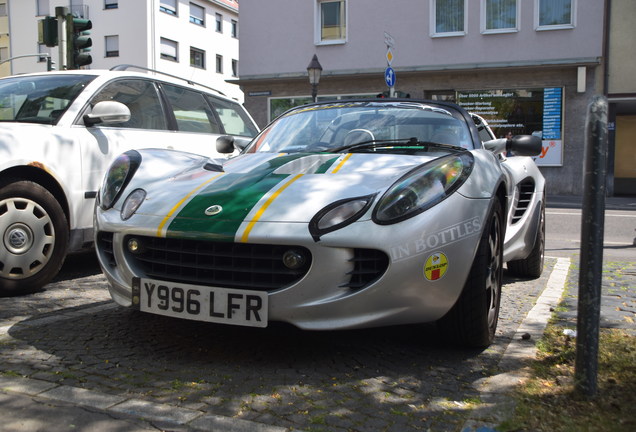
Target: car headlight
117,177
422,188
339,214
132,203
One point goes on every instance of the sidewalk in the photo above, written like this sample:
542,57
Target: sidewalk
576,201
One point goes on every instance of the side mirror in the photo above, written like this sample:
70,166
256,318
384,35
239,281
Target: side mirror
519,145
225,144
107,112
228,143
525,145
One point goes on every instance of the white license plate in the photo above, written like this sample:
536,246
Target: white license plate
201,303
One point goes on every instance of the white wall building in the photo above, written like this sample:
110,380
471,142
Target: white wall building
196,39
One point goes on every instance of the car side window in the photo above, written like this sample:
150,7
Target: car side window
234,119
141,97
191,111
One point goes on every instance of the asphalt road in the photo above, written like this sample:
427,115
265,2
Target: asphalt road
563,234
405,378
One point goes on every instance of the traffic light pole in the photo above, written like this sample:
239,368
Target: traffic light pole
60,14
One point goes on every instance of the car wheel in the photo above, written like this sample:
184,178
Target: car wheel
34,237
532,265
472,321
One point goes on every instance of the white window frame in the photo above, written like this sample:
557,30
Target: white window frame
539,27
318,23
235,72
433,23
194,19
169,7
4,53
170,46
3,9
234,24
43,49
483,13
114,4
110,42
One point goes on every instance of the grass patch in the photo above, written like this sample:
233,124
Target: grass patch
550,402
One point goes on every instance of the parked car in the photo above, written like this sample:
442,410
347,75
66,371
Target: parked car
338,215
59,132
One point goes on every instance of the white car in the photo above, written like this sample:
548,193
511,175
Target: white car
59,131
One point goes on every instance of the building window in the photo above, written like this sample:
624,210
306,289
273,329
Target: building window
4,53
43,8
555,14
197,14
197,58
219,23
112,46
43,49
169,49
448,18
234,68
499,16
169,7
111,4
219,64
3,9
234,28
331,22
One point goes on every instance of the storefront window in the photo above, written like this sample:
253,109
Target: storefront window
533,111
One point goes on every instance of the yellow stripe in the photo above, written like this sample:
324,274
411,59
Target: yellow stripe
342,162
174,209
260,211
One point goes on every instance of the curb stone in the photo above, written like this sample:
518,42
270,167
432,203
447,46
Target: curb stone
515,362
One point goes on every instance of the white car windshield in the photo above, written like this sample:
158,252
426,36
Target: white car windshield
39,99
349,125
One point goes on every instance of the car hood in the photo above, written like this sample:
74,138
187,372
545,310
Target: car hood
263,187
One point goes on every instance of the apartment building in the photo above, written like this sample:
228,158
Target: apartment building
197,39
528,66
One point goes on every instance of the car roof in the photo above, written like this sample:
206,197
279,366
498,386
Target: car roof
122,71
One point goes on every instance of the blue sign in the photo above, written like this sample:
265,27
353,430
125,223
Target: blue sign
389,76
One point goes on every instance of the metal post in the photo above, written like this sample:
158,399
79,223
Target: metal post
60,15
592,225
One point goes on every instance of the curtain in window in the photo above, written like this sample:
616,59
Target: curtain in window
112,43
449,16
43,7
501,14
332,20
555,12
168,48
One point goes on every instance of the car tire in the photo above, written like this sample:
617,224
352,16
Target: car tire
532,266
34,237
472,321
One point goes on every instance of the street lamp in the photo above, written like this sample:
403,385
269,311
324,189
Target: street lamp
314,70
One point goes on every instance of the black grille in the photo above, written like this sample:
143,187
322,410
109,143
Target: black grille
105,244
231,265
368,266
526,192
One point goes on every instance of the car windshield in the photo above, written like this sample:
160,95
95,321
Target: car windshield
363,126
39,99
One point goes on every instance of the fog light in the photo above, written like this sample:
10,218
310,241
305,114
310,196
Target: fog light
293,259
134,246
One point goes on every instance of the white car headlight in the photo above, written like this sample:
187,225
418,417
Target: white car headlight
132,203
339,214
117,177
422,188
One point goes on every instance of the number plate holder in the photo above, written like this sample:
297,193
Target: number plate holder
201,303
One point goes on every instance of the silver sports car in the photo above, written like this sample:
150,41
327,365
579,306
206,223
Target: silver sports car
337,215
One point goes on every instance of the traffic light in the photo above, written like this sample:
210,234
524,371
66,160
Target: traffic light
78,42
47,31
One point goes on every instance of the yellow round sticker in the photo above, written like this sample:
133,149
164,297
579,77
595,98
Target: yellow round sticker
436,266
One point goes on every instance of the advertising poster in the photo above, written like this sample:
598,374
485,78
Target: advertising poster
535,111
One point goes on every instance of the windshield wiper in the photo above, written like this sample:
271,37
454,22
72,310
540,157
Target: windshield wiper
371,144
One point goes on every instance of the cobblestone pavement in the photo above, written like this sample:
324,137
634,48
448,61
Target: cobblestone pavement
390,379
618,297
